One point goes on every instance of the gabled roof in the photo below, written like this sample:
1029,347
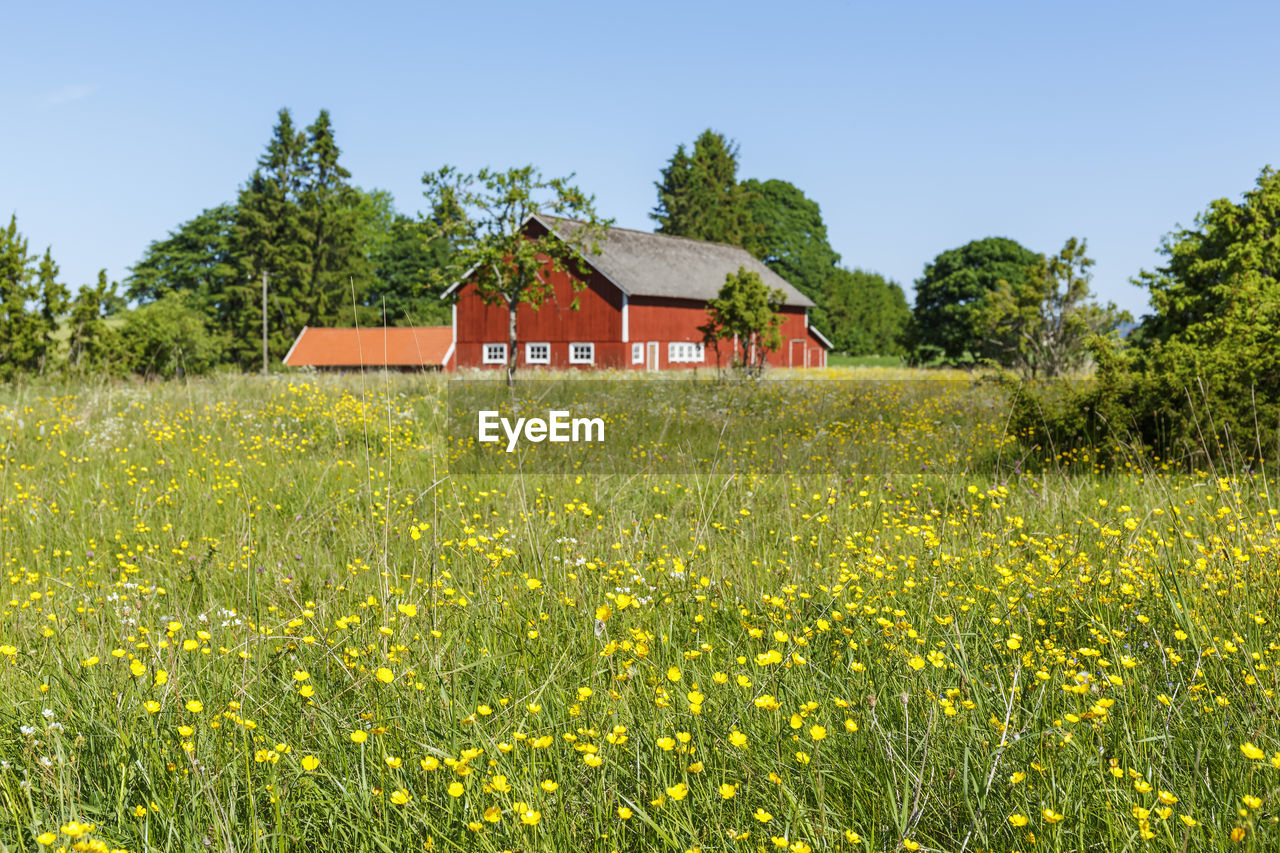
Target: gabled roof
644,264
405,346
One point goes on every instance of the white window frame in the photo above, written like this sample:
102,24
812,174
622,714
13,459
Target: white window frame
530,358
494,354
637,353
686,352
574,358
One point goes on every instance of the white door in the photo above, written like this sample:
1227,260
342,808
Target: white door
653,356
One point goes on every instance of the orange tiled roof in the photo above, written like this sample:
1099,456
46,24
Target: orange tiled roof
406,346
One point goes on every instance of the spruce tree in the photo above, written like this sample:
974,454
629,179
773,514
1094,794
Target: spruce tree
330,209
297,220
54,298
699,195
269,237
94,347
19,325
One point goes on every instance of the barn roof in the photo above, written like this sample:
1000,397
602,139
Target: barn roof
404,346
645,264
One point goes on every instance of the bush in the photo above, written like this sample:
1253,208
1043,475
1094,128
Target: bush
169,337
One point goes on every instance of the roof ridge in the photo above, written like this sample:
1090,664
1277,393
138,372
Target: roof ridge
656,234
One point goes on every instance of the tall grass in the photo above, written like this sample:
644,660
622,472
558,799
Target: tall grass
247,615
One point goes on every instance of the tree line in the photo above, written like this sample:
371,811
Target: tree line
336,254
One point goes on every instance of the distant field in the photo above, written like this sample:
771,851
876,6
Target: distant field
839,360
263,615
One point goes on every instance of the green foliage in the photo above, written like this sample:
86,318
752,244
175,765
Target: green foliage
195,258
746,311
1203,382
298,220
866,313
94,346
402,257
699,195
945,325
1041,323
170,337
20,327
481,217
790,236
54,298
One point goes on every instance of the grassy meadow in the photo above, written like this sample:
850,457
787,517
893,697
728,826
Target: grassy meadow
262,615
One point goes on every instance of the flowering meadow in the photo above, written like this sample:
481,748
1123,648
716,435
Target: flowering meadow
246,614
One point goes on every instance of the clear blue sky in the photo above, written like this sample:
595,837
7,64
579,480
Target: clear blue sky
916,126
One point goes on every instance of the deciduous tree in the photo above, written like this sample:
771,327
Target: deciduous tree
865,313
1040,323
746,311
482,217
944,325
790,236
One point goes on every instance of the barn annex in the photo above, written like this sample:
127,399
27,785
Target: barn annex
644,298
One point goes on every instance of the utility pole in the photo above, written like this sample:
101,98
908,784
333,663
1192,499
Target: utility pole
264,322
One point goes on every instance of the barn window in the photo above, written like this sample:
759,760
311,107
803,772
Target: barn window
683,351
637,353
537,353
582,353
495,353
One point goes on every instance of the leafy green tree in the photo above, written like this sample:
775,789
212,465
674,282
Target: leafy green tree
54,298
482,218
20,329
699,195
866,314
950,295
195,258
1204,378
94,347
1041,324
402,256
746,311
790,236
403,271
170,337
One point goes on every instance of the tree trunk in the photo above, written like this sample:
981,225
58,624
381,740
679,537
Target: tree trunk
512,306
264,322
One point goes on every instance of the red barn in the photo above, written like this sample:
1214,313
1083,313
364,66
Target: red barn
644,297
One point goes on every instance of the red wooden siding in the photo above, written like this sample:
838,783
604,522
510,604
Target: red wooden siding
599,320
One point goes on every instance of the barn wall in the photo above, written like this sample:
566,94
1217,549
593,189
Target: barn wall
597,318
673,320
